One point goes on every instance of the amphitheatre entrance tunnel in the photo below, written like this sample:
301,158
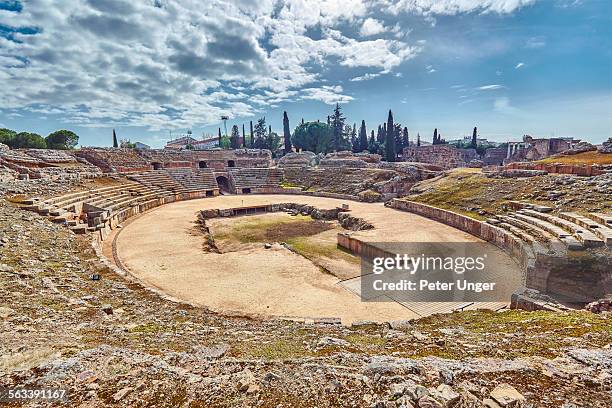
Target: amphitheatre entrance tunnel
224,184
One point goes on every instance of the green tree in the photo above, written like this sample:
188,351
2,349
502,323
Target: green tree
337,124
235,138
372,143
260,134
252,136
62,140
286,132
418,139
115,142
244,141
405,140
313,136
7,136
363,137
273,143
435,137
390,154
397,137
28,140
475,138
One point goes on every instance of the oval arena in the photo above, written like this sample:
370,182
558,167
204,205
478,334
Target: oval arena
233,232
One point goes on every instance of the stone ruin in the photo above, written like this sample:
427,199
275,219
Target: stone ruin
606,147
442,155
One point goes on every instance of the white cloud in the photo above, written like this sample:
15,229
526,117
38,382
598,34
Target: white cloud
326,94
519,65
491,87
430,69
451,7
371,27
365,77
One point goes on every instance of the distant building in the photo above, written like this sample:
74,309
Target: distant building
139,145
206,144
181,143
536,149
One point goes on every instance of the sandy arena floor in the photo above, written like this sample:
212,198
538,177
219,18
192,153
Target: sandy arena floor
161,249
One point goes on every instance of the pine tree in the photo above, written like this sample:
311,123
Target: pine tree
390,155
475,138
115,142
405,140
286,133
379,135
337,124
235,137
372,145
363,137
252,136
260,133
397,137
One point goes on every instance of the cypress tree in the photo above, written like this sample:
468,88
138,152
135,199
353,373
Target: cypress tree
243,137
435,136
235,137
475,138
252,137
405,140
286,133
115,143
372,143
219,137
363,137
337,124
390,140
418,139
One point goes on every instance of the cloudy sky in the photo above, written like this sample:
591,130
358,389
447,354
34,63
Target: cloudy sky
152,67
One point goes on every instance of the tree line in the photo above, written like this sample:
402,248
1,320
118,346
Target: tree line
388,140
59,140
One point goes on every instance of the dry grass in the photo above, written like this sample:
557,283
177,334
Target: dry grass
585,158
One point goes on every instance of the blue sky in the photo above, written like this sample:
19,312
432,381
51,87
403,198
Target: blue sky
151,67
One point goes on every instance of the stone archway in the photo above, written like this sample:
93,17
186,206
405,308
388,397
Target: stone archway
224,185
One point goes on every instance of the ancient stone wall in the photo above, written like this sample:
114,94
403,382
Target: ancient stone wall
445,156
578,170
584,275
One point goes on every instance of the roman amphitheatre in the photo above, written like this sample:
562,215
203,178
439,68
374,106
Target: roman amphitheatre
223,266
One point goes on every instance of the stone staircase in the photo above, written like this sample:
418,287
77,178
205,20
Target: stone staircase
160,180
194,180
84,211
256,177
538,224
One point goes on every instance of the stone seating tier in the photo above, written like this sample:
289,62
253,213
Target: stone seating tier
256,178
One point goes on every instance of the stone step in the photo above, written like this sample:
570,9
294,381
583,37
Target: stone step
601,218
519,205
588,238
79,229
565,237
539,233
517,232
602,231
